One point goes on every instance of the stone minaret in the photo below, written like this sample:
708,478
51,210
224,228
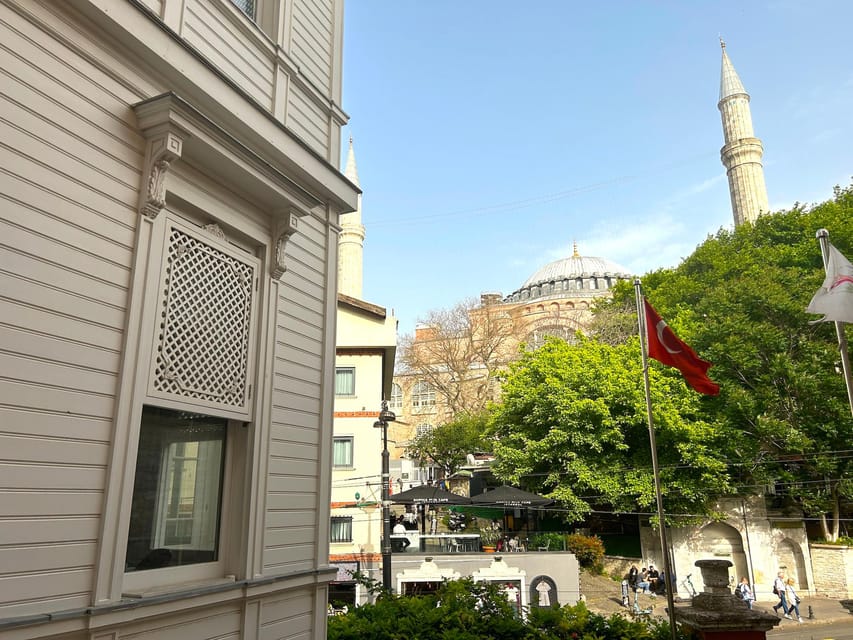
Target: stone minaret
741,154
351,240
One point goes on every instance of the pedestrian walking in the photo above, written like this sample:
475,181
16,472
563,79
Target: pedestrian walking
779,587
792,598
744,592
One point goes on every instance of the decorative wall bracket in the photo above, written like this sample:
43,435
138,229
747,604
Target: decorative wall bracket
162,151
287,222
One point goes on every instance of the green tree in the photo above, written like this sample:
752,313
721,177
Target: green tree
573,425
448,444
740,301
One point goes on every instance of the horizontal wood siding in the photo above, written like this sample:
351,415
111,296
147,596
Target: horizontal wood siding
70,160
222,41
307,120
312,41
218,623
287,618
293,480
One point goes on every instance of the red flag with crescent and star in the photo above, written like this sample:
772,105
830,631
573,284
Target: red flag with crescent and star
666,348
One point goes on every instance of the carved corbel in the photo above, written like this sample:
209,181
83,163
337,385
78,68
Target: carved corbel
162,151
284,228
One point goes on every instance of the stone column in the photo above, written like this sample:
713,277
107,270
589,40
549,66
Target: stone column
717,613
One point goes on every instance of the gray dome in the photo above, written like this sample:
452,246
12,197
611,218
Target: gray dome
574,276
576,267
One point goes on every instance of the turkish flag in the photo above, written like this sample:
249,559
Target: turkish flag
665,347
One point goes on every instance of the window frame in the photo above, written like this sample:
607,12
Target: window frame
335,440
347,369
138,583
234,506
422,396
340,520
395,400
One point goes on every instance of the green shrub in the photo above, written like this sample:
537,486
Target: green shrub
589,550
553,541
465,610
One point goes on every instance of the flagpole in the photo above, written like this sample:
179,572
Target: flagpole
667,571
823,238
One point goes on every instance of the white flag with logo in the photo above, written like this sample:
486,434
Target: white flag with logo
835,298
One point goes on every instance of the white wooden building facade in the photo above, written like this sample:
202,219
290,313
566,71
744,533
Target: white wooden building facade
169,214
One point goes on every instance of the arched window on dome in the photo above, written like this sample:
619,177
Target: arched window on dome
593,283
423,397
396,399
546,289
579,283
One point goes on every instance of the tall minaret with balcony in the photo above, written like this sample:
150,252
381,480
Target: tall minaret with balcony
351,240
741,154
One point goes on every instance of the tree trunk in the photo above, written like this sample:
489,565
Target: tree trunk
836,515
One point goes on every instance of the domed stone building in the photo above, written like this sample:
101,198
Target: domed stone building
449,365
557,299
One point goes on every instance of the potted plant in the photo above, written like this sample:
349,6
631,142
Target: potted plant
489,539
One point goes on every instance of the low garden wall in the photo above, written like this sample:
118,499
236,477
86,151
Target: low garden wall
832,566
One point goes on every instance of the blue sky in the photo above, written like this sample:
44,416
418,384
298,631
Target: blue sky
490,135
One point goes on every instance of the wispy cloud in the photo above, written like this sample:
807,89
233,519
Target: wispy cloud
695,189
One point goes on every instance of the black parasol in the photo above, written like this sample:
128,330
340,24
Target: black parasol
426,494
507,496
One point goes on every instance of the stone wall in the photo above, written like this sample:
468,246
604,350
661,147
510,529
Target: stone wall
832,566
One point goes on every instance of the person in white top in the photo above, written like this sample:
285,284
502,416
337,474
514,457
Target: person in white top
779,590
793,598
746,592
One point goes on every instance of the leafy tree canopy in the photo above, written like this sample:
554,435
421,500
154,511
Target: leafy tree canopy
573,425
447,444
740,301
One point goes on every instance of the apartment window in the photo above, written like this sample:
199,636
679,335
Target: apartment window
345,381
423,395
177,491
341,529
422,429
342,451
246,6
396,401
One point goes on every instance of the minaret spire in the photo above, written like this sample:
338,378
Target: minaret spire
742,152
351,239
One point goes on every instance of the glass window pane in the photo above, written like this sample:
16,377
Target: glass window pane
396,401
246,6
342,452
177,490
345,381
341,529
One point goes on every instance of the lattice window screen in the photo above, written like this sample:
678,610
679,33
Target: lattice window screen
205,320
246,6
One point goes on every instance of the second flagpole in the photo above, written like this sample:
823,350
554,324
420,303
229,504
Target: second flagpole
667,570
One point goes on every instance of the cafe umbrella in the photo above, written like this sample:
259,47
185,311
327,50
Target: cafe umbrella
428,495
510,498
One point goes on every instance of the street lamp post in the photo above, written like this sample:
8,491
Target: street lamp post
386,416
